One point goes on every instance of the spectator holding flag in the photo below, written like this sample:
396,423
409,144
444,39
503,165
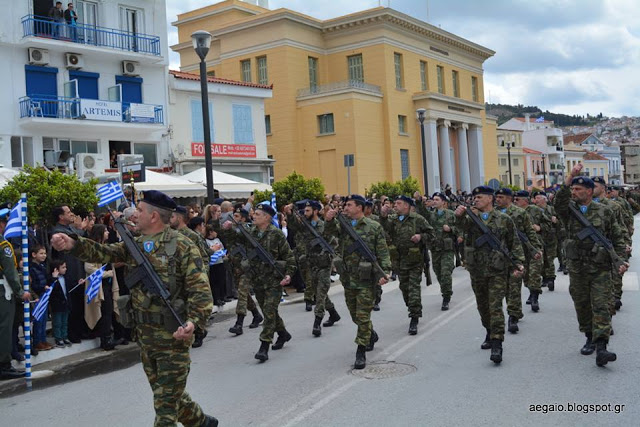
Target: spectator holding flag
39,285
60,303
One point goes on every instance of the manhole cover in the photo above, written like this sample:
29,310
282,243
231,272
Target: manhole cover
384,369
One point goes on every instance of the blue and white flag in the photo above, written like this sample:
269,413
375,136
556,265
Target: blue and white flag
41,306
14,225
109,193
273,205
217,255
95,281
540,119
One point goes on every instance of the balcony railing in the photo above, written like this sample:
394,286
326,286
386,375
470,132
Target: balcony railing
339,86
60,107
38,26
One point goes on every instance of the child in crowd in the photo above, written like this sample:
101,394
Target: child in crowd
39,284
59,303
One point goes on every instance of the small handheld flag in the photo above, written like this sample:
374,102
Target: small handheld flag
217,255
14,225
109,193
95,281
273,205
41,306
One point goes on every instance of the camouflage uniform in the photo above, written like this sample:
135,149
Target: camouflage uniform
9,283
533,274
549,240
201,244
442,248
410,255
590,265
393,255
165,360
489,270
360,284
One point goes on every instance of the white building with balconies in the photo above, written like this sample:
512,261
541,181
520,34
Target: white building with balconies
79,92
610,150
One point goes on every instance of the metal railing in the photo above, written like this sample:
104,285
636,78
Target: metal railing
60,107
338,86
39,26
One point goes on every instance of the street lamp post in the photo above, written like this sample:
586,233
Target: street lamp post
420,112
509,159
201,44
544,172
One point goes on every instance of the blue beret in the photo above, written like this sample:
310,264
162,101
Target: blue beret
407,199
218,201
599,180
506,191
300,204
358,199
242,212
369,203
266,208
313,204
182,210
441,195
482,189
522,193
540,193
159,200
584,181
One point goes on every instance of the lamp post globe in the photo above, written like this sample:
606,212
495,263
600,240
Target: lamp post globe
201,42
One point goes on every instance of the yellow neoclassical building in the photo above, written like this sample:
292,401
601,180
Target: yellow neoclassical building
353,85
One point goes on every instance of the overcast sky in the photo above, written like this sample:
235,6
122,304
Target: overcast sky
567,56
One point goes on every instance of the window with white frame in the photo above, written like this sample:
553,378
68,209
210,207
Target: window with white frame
197,129
245,70
263,78
402,125
325,124
149,152
404,163
242,124
356,68
397,63
423,75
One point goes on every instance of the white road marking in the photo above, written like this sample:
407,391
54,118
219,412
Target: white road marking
630,281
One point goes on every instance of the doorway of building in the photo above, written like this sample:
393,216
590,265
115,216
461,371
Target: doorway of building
115,148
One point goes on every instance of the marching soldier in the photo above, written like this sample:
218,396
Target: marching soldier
614,194
489,268
549,240
318,261
532,248
590,264
358,275
267,285
393,253
164,347
533,271
410,234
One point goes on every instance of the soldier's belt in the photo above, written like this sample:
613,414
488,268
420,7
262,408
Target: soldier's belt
149,318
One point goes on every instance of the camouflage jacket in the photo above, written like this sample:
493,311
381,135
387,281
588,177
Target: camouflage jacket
9,270
201,244
401,231
483,261
524,224
304,237
583,254
627,212
373,236
618,214
438,219
189,286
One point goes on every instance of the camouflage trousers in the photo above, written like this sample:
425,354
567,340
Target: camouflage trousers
616,291
167,371
548,267
410,279
489,292
378,295
591,294
243,284
443,263
560,252
514,297
309,284
360,303
321,279
269,300
533,275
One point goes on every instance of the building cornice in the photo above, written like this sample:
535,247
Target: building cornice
457,102
216,12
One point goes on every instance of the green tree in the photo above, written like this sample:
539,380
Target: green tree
406,187
291,189
47,189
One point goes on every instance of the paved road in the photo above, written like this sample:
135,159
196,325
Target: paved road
309,382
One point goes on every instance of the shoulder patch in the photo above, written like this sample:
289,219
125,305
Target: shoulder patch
8,252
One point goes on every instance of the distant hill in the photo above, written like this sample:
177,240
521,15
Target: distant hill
505,112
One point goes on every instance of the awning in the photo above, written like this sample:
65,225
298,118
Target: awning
6,175
172,185
229,186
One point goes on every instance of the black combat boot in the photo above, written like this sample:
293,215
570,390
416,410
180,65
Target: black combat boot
376,307
8,372
534,302
200,335
361,358
530,298
209,421
513,324
257,319
372,341
283,337
496,351
603,356
486,345
308,305
445,303
589,347
413,326
618,304
544,283
317,331
237,328
106,343
551,284
333,318
263,353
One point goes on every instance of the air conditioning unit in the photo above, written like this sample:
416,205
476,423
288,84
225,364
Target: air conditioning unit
130,68
90,165
38,56
73,61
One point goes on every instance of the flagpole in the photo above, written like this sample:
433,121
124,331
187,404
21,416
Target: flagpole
25,281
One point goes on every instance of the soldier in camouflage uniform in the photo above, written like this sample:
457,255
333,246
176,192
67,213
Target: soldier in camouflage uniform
533,269
358,276
489,269
589,263
443,221
393,253
164,345
549,238
411,234
532,248
627,212
267,284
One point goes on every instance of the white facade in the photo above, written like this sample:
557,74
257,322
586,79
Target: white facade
611,152
238,136
129,118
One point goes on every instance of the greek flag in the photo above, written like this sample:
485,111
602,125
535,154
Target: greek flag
95,280
273,205
217,255
14,225
540,119
109,193
41,306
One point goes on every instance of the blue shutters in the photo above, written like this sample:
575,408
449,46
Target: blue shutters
42,85
242,124
87,83
197,130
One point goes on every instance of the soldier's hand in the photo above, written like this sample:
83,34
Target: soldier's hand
554,219
384,280
538,255
330,214
288,209
575,171
184,332
518,272
285,281
416,238
623,268
460,210
446,228
460,240
536,227
62,242
26,296
417,195
384,211
628,249
227,225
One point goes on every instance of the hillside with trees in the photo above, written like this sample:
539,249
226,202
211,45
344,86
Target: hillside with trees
505,112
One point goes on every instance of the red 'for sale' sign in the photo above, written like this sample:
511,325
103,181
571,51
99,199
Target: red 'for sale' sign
224,150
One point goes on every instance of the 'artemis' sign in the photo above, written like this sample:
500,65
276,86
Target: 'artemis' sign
94,109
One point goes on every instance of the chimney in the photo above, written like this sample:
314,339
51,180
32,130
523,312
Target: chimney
527,126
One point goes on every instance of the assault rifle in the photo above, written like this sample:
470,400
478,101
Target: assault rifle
594,234
317,240
258,251
526,242
144,272
359,244
488,238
